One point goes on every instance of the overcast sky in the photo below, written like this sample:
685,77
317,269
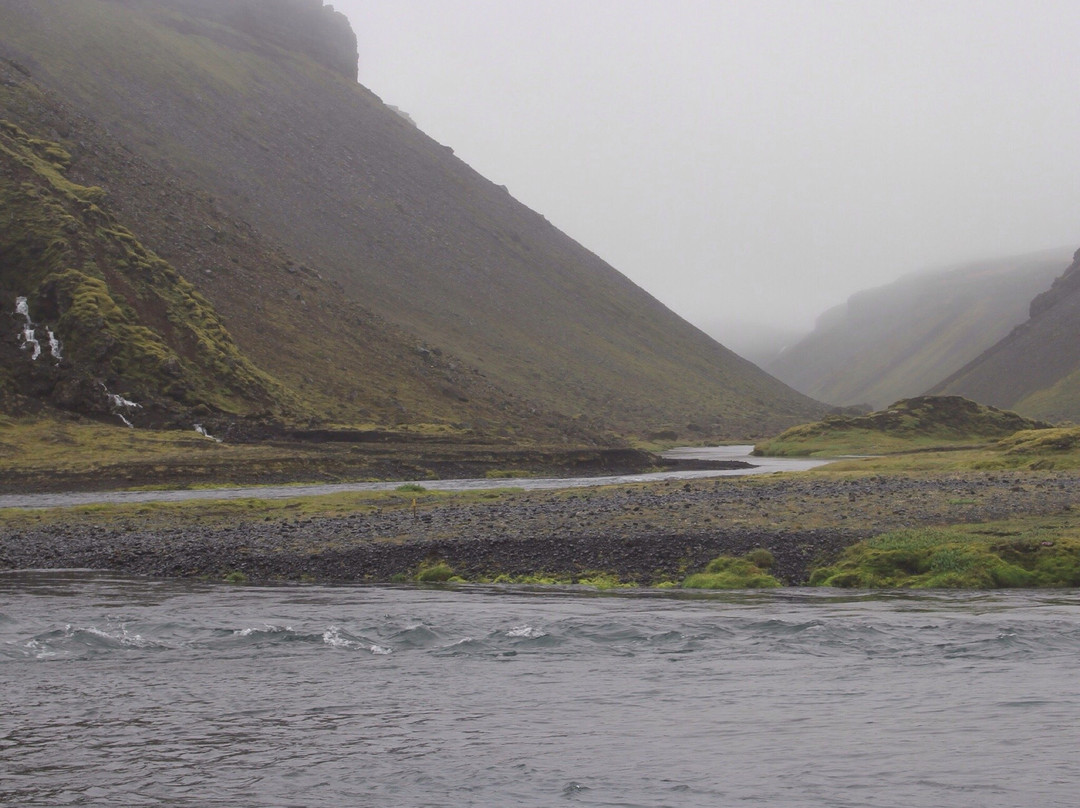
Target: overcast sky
750,159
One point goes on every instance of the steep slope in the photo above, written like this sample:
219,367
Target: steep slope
1035,369
268,135
898,340
332,360
133,330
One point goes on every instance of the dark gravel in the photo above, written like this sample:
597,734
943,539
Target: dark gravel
643,533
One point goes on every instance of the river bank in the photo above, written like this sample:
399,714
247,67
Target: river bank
642,533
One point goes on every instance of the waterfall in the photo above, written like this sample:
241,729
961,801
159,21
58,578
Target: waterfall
202,431
29,336
54,345
30,340
120,403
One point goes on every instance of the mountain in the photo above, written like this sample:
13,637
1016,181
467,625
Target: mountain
898,340
1035,368
362,271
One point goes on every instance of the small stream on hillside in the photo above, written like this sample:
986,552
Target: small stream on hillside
761,465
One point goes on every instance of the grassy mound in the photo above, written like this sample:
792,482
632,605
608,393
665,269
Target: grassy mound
728,572
971,557
911,424
1050,442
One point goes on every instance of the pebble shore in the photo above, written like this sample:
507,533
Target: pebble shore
640,533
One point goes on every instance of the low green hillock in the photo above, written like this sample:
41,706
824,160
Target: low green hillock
962,557
728,572
1049,442
912,424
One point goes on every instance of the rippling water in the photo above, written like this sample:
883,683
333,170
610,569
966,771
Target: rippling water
126,691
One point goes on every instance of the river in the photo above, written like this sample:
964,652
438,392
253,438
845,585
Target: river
131,691
760,465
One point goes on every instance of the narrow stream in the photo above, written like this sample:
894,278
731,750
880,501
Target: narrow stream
761,465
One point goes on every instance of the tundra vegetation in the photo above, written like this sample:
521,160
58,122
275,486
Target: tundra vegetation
726,572
160,162
1038,552
926,423
996,515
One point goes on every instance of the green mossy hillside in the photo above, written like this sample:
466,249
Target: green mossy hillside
910,424
128,322
972,557
386,241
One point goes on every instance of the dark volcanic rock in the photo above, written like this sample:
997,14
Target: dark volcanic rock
641,533
303,26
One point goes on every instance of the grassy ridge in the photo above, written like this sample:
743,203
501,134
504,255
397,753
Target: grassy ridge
1032,369
909,425
347,365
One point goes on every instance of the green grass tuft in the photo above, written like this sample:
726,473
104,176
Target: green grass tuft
435,572
971,557
728,572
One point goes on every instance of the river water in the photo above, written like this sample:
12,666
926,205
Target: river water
759,465
128,691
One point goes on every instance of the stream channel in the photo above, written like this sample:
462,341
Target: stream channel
760,465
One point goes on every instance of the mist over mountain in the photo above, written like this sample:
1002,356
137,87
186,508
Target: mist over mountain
1035,368
759,342
354,271
897,341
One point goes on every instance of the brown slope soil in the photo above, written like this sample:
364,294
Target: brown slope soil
389,217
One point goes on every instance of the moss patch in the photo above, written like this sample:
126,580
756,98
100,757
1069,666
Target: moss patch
126,318
728,572
1030,554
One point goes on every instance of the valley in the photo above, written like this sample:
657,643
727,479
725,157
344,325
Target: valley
224,262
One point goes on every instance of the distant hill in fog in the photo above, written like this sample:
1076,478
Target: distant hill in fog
758,342
899,340
1035,368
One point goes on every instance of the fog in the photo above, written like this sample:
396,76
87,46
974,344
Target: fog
753,162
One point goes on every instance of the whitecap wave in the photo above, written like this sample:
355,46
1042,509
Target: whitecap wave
526,632
266,628
337,638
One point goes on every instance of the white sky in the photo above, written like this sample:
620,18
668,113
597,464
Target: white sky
756,160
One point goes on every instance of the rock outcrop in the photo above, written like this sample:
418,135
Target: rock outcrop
300,26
